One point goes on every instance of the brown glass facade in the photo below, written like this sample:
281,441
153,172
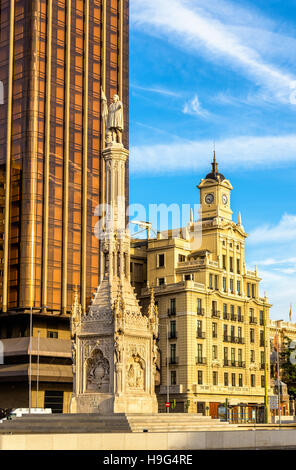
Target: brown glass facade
63,51
54,57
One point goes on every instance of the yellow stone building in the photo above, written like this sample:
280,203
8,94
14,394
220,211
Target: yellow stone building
212,318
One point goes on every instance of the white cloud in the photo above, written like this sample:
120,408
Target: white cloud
194,107
232,153
278,272
219,33
284,231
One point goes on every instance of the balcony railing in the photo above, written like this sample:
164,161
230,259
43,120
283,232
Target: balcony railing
174,360
200,360
253,320
225,316
200,311
233,318
200,334
240,318
233,339
171,312
216,314
173,335
262,366
226,362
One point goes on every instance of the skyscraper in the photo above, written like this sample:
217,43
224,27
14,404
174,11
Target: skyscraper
55,57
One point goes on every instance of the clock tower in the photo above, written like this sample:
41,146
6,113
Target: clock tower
215,191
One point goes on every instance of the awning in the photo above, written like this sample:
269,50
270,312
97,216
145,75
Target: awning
47,347
47,372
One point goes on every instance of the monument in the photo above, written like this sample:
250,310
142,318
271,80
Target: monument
114,344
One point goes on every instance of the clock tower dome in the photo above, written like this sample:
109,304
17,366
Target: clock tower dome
215,191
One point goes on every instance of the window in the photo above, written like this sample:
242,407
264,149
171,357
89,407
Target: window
199,377
240,356
231,286
225,352
238,266
161,281
262,381
173,332
182,258
238,287
199,306
232,356
253,290
173,354
248,290
173,377
199,328
224,261
225,332
239,331
252,335
252,355
239,313
173,306
215,378
261,317
216,282
252,380
160,261
215,352
199,353
52,334
232,312
231,264
233,381
240,380
211,281
224,284
214,330
188,277
226,379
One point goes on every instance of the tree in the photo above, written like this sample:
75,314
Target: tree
288,370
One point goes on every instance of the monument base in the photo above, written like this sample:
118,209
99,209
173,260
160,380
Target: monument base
106,404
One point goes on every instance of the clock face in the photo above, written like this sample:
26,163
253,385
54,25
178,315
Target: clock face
209,198
224,199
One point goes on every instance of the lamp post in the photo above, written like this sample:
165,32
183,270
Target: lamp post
265,366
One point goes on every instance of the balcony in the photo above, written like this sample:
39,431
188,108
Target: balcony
233,339
200,360
200,311
216,314
262,366
171,312
240,318
225,316
200,334
233,318
174,360
226,362
173,335
253,320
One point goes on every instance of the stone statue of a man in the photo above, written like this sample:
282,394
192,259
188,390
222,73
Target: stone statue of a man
113,117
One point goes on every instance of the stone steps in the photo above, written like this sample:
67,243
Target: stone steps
95,423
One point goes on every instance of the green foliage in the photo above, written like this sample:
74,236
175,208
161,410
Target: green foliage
288,370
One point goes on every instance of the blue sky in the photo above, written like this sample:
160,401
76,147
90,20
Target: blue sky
204,71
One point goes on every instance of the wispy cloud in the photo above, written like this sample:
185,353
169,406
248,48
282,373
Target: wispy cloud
221,35
232,153
194,108
157,90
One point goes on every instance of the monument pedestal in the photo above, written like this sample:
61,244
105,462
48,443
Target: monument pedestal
114,343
